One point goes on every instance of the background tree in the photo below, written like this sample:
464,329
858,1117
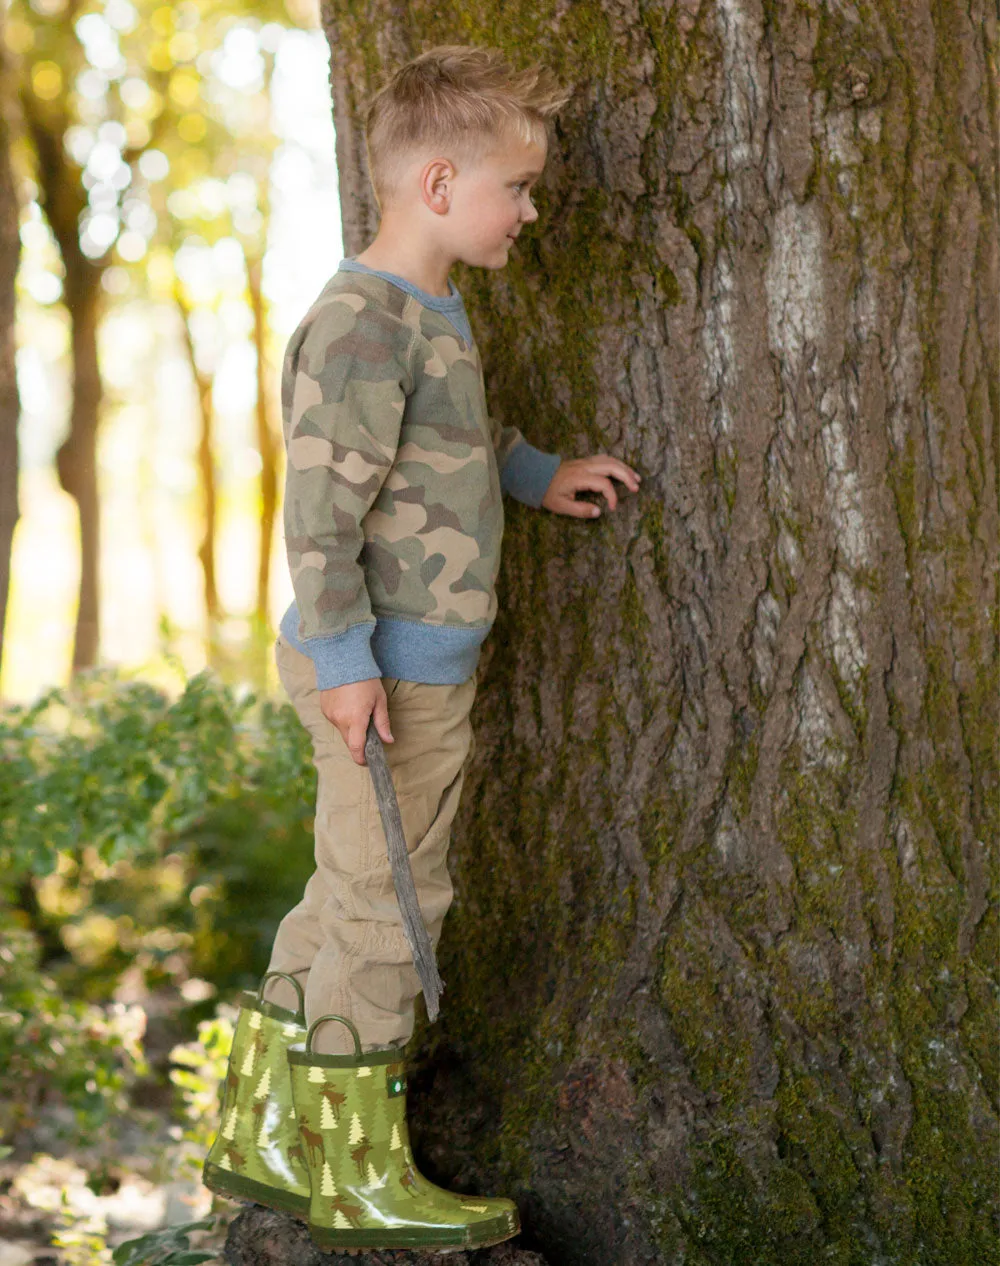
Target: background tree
719,973
9,407
219,195
118,97
54,57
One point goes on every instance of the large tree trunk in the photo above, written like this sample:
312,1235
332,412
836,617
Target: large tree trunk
719,968
10,244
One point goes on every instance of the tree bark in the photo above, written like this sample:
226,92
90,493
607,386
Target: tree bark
720,968
10,246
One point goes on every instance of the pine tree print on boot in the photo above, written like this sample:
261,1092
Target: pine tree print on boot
366,1189
257,1154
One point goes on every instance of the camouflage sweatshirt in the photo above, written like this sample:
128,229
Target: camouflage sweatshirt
393,512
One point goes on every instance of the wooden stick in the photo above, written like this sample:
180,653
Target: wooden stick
402,873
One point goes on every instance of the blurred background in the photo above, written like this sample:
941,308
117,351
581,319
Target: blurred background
189,150
177,198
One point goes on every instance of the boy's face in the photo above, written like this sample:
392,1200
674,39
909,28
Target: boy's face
491,203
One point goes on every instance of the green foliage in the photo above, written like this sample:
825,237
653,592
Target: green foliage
199,1068
58,1048
162,826
169,1247
143,838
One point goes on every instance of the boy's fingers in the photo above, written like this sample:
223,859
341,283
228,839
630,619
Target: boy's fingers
355,739
608,465
596,483
577,509
381,715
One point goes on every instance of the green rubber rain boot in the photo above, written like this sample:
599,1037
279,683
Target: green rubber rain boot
256,1154
366,1190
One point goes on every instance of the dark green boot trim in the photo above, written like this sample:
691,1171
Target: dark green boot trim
224,1183
479,1235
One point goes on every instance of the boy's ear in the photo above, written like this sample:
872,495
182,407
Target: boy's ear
436,184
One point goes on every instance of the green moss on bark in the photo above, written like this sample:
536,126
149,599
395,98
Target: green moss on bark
782,1167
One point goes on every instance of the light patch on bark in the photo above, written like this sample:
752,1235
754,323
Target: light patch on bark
765,636
815,729
789,553
865,308
870,125
840,142
842,483
794,283
742,94
717,339
846,10
906,852
843,626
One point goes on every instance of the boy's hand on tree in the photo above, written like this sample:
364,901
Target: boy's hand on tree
587,474
349,709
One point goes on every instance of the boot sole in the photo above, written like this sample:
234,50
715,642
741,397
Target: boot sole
423,1239
236,1187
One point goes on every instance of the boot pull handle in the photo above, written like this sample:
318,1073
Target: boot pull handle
295,985
359,1054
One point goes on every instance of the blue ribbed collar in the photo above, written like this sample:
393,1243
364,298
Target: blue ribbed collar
442,303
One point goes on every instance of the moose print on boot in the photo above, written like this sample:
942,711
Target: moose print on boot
313,1141
334,1101
366,1189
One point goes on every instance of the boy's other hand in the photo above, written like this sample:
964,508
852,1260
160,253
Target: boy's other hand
349,708
587,474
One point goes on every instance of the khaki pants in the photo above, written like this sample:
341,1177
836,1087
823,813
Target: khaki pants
345,938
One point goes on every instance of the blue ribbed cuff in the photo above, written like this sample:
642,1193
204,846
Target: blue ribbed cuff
527,473
340,660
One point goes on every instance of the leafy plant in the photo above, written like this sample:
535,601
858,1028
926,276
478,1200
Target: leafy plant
169,1247
145,840
198,1070
134,827
58,1049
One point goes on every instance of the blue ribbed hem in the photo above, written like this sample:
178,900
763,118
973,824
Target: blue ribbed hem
434,654
527,473
340,660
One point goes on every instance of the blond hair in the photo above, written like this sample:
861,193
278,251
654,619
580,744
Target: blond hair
460,100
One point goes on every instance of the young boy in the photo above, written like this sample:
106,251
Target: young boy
393,520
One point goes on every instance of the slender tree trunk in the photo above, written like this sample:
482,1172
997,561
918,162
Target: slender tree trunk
9,403
206,479
76,460
722,964
267,441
